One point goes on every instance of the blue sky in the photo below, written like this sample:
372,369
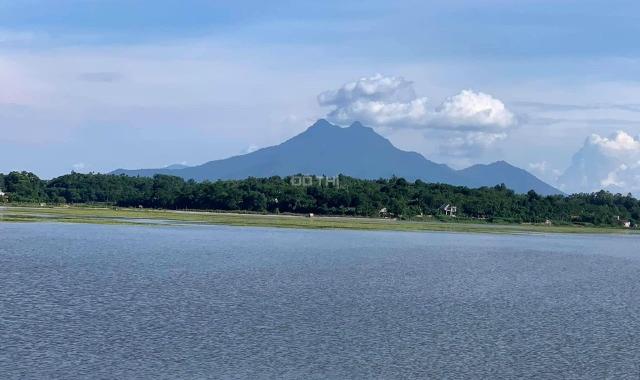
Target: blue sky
96,85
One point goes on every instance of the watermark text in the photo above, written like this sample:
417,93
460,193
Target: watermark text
308,180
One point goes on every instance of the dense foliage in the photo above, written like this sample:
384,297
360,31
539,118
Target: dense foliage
351,197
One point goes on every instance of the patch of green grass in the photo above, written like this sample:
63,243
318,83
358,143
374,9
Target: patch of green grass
98,215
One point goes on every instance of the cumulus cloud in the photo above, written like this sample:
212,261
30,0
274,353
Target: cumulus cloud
611,163
475,120
383,114
620,144
474,111
377,88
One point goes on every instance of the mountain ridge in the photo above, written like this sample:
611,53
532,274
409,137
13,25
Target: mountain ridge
357,151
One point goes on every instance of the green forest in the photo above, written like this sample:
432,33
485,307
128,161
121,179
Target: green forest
354,197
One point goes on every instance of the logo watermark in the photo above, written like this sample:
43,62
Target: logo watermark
308,180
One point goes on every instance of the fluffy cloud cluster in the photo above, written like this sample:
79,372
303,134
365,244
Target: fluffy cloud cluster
474,111
475,120
376,88
379,113
619,145
611,163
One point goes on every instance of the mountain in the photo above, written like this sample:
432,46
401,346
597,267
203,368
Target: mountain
323,148
517,179
357,151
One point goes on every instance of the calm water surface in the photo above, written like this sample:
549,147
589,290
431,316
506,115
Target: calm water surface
190,302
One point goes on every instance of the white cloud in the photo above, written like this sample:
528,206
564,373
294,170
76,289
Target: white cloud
474,121
377,88
624,178
538,167
470,143
545,171
620,144
379,113
611,163
475,111
612,179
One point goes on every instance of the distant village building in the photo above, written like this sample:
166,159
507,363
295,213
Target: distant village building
548,222
384,213
449,210
626,224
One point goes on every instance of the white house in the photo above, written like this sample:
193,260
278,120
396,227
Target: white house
449,209
626,224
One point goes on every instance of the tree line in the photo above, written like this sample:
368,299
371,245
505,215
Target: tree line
354,197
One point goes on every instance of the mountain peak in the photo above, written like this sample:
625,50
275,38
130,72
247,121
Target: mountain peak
321,124
501,163
495,164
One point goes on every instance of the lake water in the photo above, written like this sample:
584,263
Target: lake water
191,302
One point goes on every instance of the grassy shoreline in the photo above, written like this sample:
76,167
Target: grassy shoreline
96,215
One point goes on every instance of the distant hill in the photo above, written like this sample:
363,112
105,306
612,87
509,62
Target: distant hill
357,151
519,180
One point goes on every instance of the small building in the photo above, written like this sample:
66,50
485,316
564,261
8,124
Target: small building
310,215
548,222
384,213
626,224
449,210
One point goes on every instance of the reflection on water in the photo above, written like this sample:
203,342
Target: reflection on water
95,301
